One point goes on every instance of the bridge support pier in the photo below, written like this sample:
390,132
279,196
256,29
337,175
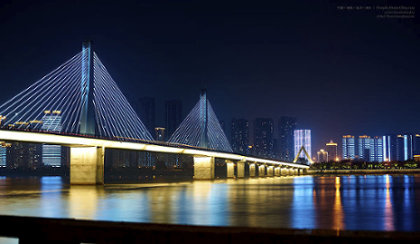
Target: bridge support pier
277,171
230,168
252,169
240,169
87,165
270,171
261,170
203,168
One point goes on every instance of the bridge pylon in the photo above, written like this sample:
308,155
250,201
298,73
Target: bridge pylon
201,128
87,112
204,139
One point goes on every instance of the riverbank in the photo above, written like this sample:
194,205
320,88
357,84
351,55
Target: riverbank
363,171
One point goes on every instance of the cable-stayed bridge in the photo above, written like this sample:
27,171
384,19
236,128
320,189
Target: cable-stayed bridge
79,105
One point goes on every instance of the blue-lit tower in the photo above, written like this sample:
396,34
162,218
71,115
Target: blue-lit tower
204,140
87,114
302,137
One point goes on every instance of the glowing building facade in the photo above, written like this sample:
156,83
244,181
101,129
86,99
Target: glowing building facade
51,154
349,147
302,137
377,149
389,147
401,147
3,156
364,147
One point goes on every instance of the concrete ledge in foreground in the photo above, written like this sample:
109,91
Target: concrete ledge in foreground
47,230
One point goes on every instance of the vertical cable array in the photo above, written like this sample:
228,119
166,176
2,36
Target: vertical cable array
55,96
115,117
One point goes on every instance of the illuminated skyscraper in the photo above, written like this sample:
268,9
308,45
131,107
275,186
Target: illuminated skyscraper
389,147
416,145
3,156
302,137
349,147
51,154
376,151
240,136
287,125
364,147
332,149
405,147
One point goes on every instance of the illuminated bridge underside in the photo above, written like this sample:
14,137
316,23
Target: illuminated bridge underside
96,167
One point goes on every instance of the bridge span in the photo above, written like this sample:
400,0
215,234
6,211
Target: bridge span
79,105
87,157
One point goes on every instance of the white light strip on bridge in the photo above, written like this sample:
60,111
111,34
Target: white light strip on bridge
34,137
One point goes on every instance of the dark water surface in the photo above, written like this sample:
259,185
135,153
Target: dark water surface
372,202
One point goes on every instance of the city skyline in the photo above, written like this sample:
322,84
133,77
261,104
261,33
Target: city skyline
263,54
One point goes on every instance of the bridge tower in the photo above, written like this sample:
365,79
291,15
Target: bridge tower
87,114
87,163
204,139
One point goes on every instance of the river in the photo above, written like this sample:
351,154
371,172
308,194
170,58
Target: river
363,202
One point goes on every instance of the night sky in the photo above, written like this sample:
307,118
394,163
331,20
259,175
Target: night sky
337,72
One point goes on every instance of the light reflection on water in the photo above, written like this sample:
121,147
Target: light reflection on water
311,202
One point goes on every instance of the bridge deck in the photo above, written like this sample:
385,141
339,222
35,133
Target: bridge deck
67,140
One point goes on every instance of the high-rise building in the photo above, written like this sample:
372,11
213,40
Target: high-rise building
332,149
263,137
376,151
389,148
287,125
302,137
322,156
3,157
160,134
240,136
349,147
405,147
145,108
52,154
416,145
364,147
173,116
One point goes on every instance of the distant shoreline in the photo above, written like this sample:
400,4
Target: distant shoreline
363,171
